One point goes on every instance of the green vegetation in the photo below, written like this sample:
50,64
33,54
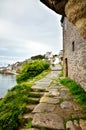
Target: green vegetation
76,90
31,69
29,124
13,105
62,71
38,57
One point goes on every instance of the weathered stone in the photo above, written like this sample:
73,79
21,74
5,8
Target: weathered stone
65,94
47,80
32,129
43,107
58,87
70,125
76,13
28,116
40,86
76,123
51,121
76,107
52,93
83,124
66,104
22,129
56,5
30,106
49,100
73,125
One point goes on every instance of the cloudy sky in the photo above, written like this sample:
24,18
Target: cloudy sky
28,28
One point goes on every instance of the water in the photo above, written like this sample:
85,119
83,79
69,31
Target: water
6,82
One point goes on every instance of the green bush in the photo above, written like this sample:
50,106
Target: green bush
31,69
38,57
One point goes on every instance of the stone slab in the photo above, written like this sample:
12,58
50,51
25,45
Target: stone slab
70,125
29,129
51,121
30,106
40,86
66,104
43,107
33,98
50,100
28,116
32,129
83,124
53,92
43,83
44,80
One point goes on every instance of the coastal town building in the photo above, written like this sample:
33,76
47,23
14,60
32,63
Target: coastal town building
53,59
60,56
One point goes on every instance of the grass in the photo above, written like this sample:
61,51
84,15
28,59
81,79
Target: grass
38,77
76,90
29,124
13,105
34,95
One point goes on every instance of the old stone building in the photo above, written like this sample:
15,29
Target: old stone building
74,37
74,53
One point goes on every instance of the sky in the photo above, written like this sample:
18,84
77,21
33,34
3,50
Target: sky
28,28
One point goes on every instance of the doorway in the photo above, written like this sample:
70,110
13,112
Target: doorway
66,67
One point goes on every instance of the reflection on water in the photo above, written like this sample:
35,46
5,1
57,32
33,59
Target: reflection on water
6,82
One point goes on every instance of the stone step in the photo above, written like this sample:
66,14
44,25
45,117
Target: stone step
50,100
38,89
33,100
33,129
28,116
73,125
48,120
44,107
31,107
37,94
29,129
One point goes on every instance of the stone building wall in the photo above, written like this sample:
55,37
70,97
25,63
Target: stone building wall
74,47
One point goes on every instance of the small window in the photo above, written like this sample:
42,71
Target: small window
73,46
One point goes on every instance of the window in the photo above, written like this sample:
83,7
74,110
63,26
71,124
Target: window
73,46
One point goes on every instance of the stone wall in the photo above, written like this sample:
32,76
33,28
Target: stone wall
74,47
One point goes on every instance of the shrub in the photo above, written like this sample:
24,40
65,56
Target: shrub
31,69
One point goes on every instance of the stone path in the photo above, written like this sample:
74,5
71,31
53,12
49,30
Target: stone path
56,109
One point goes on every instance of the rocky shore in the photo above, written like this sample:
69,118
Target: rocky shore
8,72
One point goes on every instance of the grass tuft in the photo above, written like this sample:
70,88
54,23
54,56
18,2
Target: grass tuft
76,90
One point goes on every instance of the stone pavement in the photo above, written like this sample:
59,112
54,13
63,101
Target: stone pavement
57,109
